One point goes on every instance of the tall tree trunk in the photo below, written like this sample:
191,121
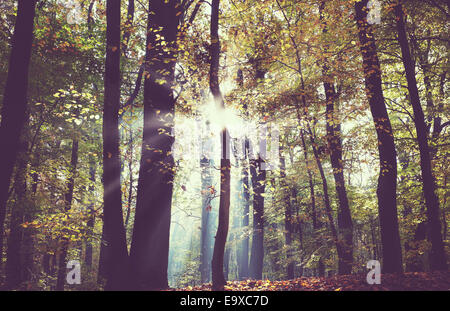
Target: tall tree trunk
218,278
258,178
437,255
114,230
317,224
205,246
15,100
328,210
150,244
387,180
68,205
345,225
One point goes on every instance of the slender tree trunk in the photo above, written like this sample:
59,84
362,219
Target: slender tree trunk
288,224
345,225
438,260
298,228
51,258
68,205
217,264
15,100
206,234
128,26
328,210
243,270
326,199
316,222
387,180
258,176
150,244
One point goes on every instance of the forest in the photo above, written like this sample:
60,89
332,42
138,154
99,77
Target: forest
193,145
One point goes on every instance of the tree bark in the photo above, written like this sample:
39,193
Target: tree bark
438,259
345,225
150,244
117,264
217,263
387,180
15,100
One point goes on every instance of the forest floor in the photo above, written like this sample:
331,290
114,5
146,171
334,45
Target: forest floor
411,281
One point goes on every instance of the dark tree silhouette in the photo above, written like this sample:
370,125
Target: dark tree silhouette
437,256
218,277
345,225
149,252
387,179
15,100
114,231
